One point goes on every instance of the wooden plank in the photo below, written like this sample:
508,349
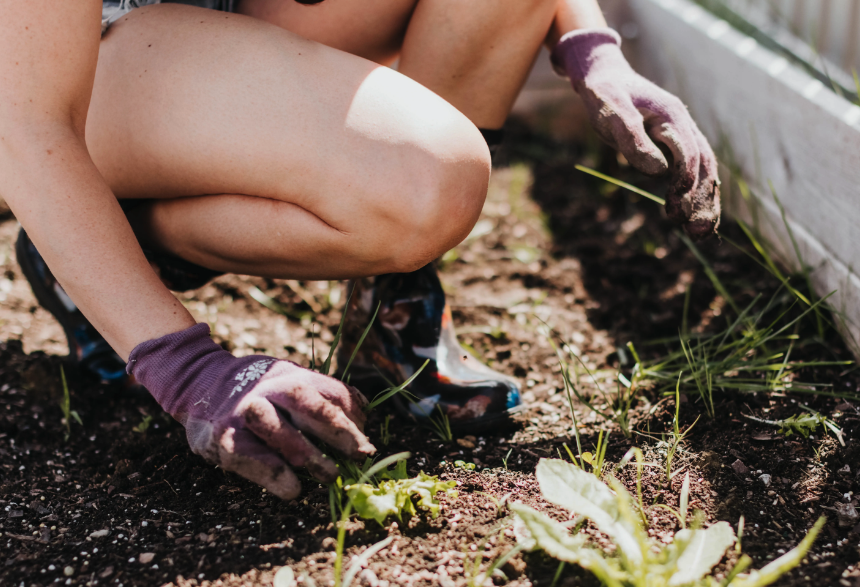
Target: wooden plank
781,126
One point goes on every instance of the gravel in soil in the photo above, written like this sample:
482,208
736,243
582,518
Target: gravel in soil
122,501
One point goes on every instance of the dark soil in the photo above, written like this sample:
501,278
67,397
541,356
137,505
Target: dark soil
600,267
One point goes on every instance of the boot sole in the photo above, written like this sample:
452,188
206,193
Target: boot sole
370,385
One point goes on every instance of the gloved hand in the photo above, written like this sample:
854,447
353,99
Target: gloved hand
248,414
636,117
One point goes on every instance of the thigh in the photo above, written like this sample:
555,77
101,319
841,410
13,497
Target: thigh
373,29
190,102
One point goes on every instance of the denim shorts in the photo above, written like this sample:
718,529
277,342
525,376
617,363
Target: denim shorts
112,10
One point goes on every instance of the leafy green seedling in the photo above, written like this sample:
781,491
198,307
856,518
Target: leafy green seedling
638,560
596,459
506,457
464,465
144,425
384,433
66,407
802,424
394,496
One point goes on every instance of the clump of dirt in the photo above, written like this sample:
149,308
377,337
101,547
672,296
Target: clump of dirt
125,503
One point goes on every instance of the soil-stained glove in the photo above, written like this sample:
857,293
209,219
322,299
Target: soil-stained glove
636,117
248,414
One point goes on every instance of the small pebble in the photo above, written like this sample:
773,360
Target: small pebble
69,571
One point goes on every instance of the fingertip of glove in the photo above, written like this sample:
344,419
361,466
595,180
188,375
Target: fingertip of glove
365,448
322,469
286,487
701,229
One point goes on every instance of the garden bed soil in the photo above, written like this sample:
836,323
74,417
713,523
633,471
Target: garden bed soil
113,505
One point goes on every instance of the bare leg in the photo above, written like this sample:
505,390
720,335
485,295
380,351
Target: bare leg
474,53
333,166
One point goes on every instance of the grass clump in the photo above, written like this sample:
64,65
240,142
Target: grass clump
638,561
752,353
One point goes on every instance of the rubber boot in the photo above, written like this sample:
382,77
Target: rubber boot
413,327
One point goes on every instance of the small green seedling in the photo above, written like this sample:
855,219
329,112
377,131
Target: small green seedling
506,457
384,432
596,459
143,426
677,436
802,424
638,560
617,407
441,425
66,407
464,465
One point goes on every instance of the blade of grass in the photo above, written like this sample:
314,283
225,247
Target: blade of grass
360,340
387,393
718,285
622,184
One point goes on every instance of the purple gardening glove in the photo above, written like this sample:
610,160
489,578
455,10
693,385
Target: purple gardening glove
248,414
638,118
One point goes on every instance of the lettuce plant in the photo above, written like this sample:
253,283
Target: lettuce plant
638,561
398,496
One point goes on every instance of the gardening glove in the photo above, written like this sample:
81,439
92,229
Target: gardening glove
645,123
249,415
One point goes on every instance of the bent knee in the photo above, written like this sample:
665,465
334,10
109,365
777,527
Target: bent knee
448,202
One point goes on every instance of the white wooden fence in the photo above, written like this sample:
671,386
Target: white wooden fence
780,126
831,26
823,28
775,120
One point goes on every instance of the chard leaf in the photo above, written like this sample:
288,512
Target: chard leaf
584,494
556,541
700,551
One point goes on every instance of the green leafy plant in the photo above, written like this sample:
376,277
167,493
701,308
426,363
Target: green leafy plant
396,494
379,492
464,465
638,560
802,424
144,425
66,407
597,458
384,432
506,457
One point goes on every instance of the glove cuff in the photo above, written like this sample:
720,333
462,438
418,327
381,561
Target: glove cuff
185,370
577,50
